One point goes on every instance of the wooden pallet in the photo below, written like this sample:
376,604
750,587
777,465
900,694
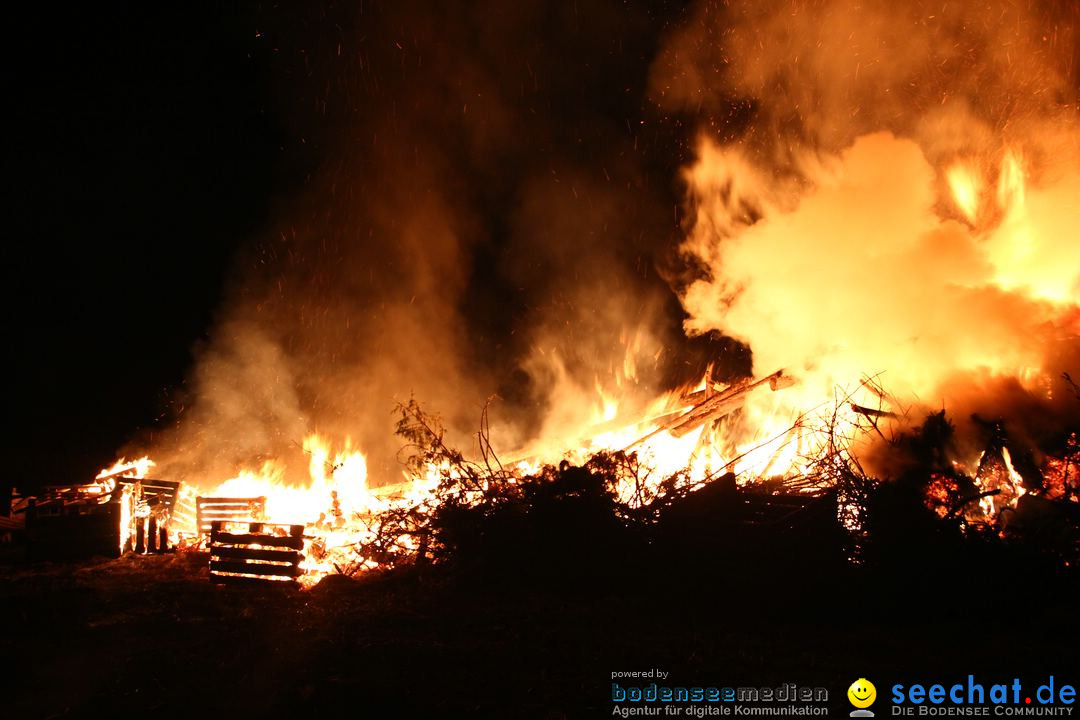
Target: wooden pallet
158,498
185,518
12,515
266,554
156,491
211,509
79,521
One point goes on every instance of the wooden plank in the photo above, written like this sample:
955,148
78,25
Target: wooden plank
230,507
252,581
204,502
220,566
16,523
713,405
208,509
152,535
223,538
243,553
155,484
56,509
140,536
80,493
74,536
256,527
695,419
229,501
110,519
170,490
172,486
209,516
210,522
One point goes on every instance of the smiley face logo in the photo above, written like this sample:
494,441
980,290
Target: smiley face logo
862,693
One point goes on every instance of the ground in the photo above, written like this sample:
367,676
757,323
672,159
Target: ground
144,634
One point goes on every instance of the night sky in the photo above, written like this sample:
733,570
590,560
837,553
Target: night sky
148,152
159,145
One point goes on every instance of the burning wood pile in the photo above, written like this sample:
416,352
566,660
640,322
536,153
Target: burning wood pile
81,520
804,482
895,232
120,511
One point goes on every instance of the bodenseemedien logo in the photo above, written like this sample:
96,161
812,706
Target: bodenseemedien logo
862,694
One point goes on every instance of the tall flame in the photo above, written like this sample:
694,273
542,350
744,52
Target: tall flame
966,190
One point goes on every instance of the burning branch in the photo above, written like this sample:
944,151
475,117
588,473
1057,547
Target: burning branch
713,407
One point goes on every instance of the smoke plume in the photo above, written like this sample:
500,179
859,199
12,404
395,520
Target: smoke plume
477,223
889,189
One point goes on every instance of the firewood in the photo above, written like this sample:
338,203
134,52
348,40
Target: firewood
714,407
872,413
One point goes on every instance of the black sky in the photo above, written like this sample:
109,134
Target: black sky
146,153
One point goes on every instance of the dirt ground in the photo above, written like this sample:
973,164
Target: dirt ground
150,634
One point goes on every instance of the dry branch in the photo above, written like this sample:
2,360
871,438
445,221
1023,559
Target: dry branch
872,413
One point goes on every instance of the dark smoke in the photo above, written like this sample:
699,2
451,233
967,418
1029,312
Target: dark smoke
482,217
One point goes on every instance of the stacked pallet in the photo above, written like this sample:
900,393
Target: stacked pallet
260,554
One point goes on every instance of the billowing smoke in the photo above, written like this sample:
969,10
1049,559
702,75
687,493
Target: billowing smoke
890,189
477,223
887,188
815,75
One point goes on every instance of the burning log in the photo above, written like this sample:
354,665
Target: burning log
872,413
962,503
714,406
119,474
777,381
